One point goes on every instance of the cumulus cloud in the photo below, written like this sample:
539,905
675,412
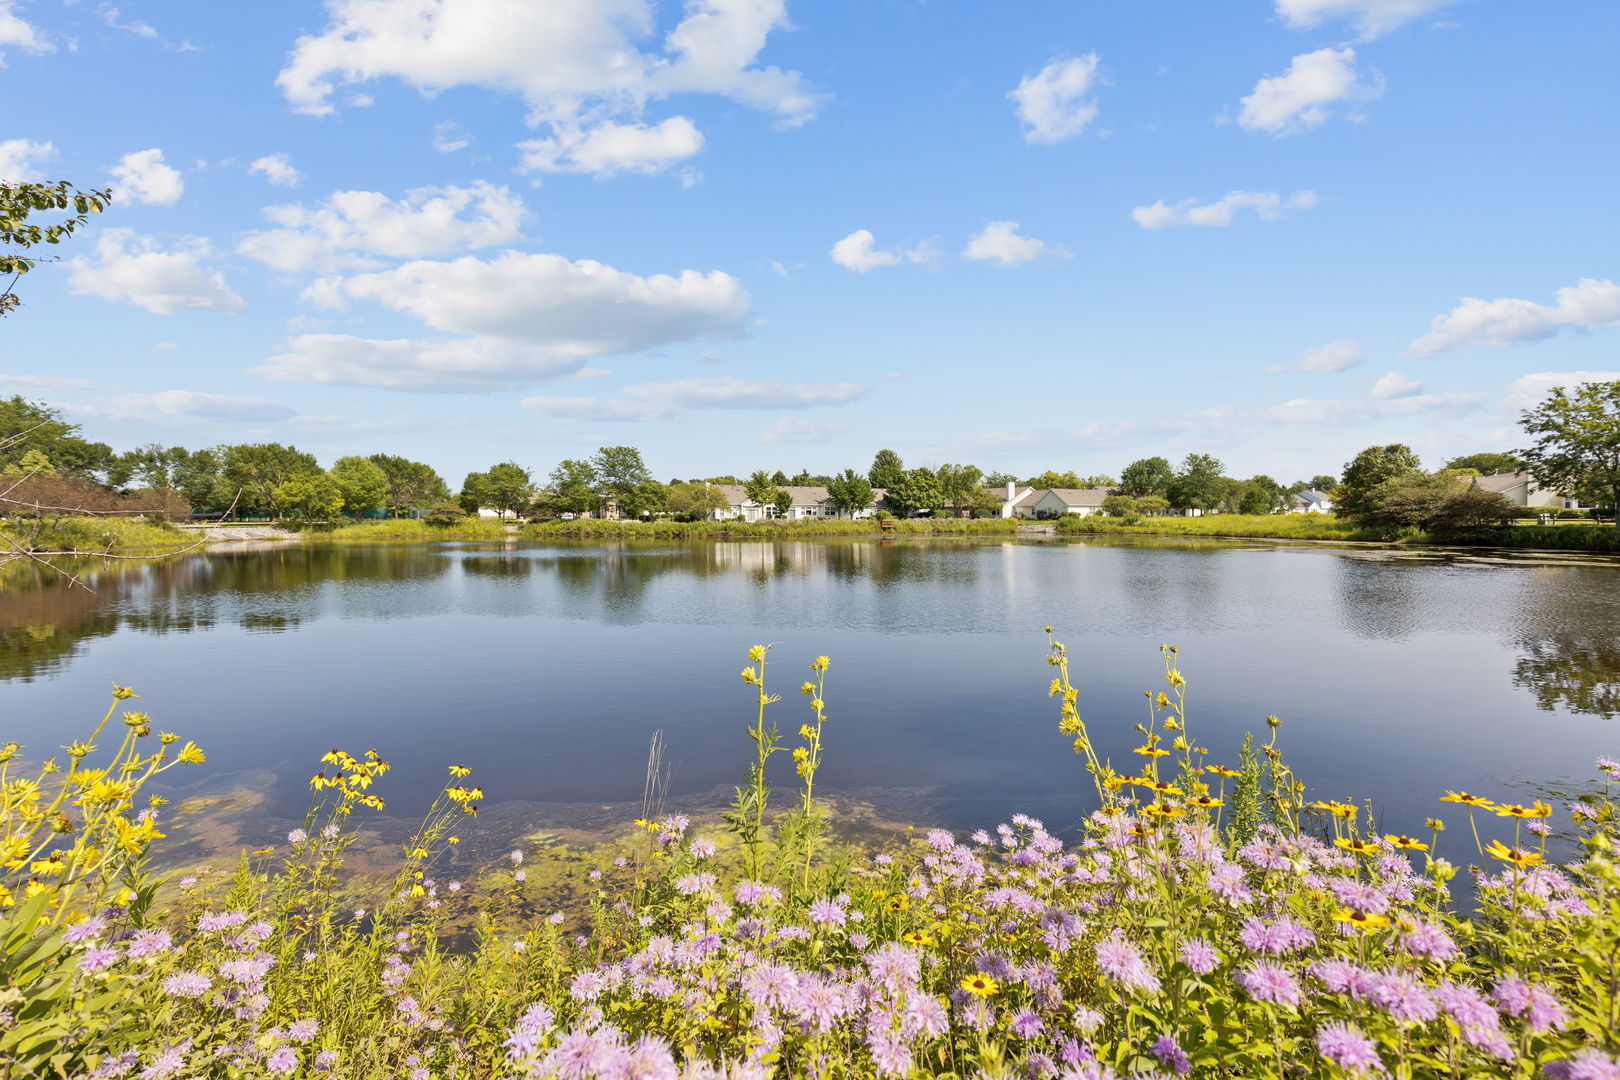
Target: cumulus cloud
1052,103
578,64
20,159
854,252
1326,359
1371,17
1000,241
14,31
1268,204
186,405
134,268
529,318
597,409
803,431
1298,99
351,228
277,169
1395,385
1527,392
610,148
734,393
1586,305
143,177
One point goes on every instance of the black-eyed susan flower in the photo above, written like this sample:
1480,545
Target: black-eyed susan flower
1467,800
918,938
1538,809
1406,843
1358,847
458,771
1524,860
1222,770
981,986
898,902
1436,824
1206,802
1361,920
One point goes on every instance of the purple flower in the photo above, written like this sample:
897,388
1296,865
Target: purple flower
516,857
97,957
1266,981
1119,959
149,943
890,1054
187,984
297,836
85,931
171,1060
1589,1064
114,1065
555,918
1277,938
1200,955
1026,1025
325,1060
521,875
1427,940
302,1030
281,1060
925,1015
1403,997
940,840
825,911
693,883
1229,883
1348,1047
1169,1052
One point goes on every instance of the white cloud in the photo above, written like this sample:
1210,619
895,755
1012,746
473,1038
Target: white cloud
530,318
1299,98
1526,393
351,227
610,148
1000,241
448,137
13,31
130,267
19,158
45,382
1586,305
109,15
1395,385
1371,17
579,64
596,409
734,393
277,169
803,431
1326,359
185,405
1268,204
142,176
1052,103
854,252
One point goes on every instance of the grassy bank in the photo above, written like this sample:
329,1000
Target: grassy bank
765,530
1581,537
1246,526
403,531
101,535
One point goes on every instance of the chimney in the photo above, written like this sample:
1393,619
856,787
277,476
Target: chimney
1012,491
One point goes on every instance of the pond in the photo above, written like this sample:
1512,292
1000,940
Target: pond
546,668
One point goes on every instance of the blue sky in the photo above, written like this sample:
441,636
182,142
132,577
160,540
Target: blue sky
764,233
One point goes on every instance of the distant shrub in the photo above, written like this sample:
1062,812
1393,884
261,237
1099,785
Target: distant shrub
444,513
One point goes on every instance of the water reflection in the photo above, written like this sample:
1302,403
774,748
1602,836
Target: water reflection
1581,674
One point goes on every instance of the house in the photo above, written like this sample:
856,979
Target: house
808,503
1311,501
1056,502
1520,489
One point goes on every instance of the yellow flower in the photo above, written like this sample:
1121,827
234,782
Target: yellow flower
122,692
808,689
1406,843
1436,824
898,902
1151,751
5,898
1358,847
1222,770
1163,788
917,937
1524,860
1361,920
982,986
1467,800
1538,809
459,771
49,866
1206,802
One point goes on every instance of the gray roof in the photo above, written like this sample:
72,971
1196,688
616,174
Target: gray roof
1070,496
1502,481
737,495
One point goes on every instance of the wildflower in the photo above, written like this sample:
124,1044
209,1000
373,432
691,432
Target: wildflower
981,986
1358,846
281,1060
1087,1020
297,836
918,938
1402,997
1467,800
1360,920
1538,809
1169,1052
210,923
171,1060
519,946
890,1054
149,943
1348,1048
702,847
1537,1004
115,1065
520,876
898,902
825,911
1269,982
330,832
859,940
1406,843
1200,955
325,1060
925,1014
516,857
1426,940
302,1030
187,984
940,840
1588,1064
97,957
1119,959
621,861
1229,883
1524,860
88,930
1026,1025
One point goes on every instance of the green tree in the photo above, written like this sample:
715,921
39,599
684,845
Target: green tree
475,494
1152,504
1323,482
619,472
30,425
1198,483
917,490
510,488
851,492
411,484
151,466
1441,503
779,478
1487,464
259,468
958,484
1262,495
1054,479
760,488
198,480
804,479
696,499
1149,476
783,502
361,482
312,496
649,498
1000,480
1371,467
986,503
1098,480
887,469
1577,447
19,201
1118,505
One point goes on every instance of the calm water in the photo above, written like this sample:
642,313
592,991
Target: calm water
546,668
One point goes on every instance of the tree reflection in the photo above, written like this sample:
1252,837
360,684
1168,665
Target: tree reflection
1581,674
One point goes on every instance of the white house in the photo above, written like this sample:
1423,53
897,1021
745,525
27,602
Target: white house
1055,502
808,503
1521,489
1311,501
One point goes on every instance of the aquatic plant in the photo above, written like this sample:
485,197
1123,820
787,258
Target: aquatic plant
1167,937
